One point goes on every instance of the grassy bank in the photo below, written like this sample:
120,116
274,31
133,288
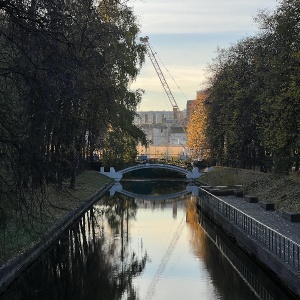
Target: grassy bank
283,190
22,232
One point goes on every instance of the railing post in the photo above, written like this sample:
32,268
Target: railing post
297,258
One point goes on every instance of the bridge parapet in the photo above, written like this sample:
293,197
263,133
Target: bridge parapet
112,173
154,166
194,174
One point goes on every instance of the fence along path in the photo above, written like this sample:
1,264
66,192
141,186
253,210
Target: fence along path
268,228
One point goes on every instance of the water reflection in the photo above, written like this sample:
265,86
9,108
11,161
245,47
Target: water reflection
262,284
88,262
152,187
229,283
132,248
182,268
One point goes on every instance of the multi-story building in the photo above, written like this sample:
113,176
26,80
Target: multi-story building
189,108
154,117
163,127
166,132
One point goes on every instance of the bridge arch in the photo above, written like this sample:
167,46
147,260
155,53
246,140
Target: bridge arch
118,175
154,166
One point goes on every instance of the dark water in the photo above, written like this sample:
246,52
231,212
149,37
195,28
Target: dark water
136,248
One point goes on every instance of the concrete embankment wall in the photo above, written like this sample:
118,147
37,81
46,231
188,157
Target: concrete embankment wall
286,275
10,271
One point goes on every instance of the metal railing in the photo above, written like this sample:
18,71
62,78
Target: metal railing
282,247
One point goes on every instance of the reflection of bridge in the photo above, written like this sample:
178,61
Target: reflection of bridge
117,187
117,176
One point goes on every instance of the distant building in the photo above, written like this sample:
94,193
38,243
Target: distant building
177,136
155,117
190,103
159,135
189,109
163,127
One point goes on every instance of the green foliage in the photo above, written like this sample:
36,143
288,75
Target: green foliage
65,70
253,103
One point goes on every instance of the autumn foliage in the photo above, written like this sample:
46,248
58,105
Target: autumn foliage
196,141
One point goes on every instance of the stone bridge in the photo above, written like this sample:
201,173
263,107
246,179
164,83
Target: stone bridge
117,175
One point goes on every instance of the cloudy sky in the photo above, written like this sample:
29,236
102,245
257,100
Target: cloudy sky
185,35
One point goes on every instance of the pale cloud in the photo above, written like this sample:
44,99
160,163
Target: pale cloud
188,80
185,36
198,16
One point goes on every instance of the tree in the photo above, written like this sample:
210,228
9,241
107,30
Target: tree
196,138
65,70
281,98
254,97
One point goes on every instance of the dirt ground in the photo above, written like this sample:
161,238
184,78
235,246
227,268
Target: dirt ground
283,190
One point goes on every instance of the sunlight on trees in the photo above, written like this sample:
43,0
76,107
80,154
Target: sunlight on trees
196,127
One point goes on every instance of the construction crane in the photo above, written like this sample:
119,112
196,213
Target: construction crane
151,54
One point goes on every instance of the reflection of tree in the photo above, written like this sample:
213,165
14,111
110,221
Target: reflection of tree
84,264
159,188
228,282
121,210
198,236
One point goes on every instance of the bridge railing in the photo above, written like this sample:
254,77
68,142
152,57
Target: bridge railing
158,166
282,247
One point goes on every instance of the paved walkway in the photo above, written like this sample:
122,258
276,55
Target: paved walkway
272,219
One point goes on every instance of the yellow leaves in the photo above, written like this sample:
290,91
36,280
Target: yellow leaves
107,9
196,139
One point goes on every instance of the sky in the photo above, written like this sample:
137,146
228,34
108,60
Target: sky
185,35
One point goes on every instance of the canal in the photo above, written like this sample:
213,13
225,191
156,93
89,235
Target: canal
150,246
